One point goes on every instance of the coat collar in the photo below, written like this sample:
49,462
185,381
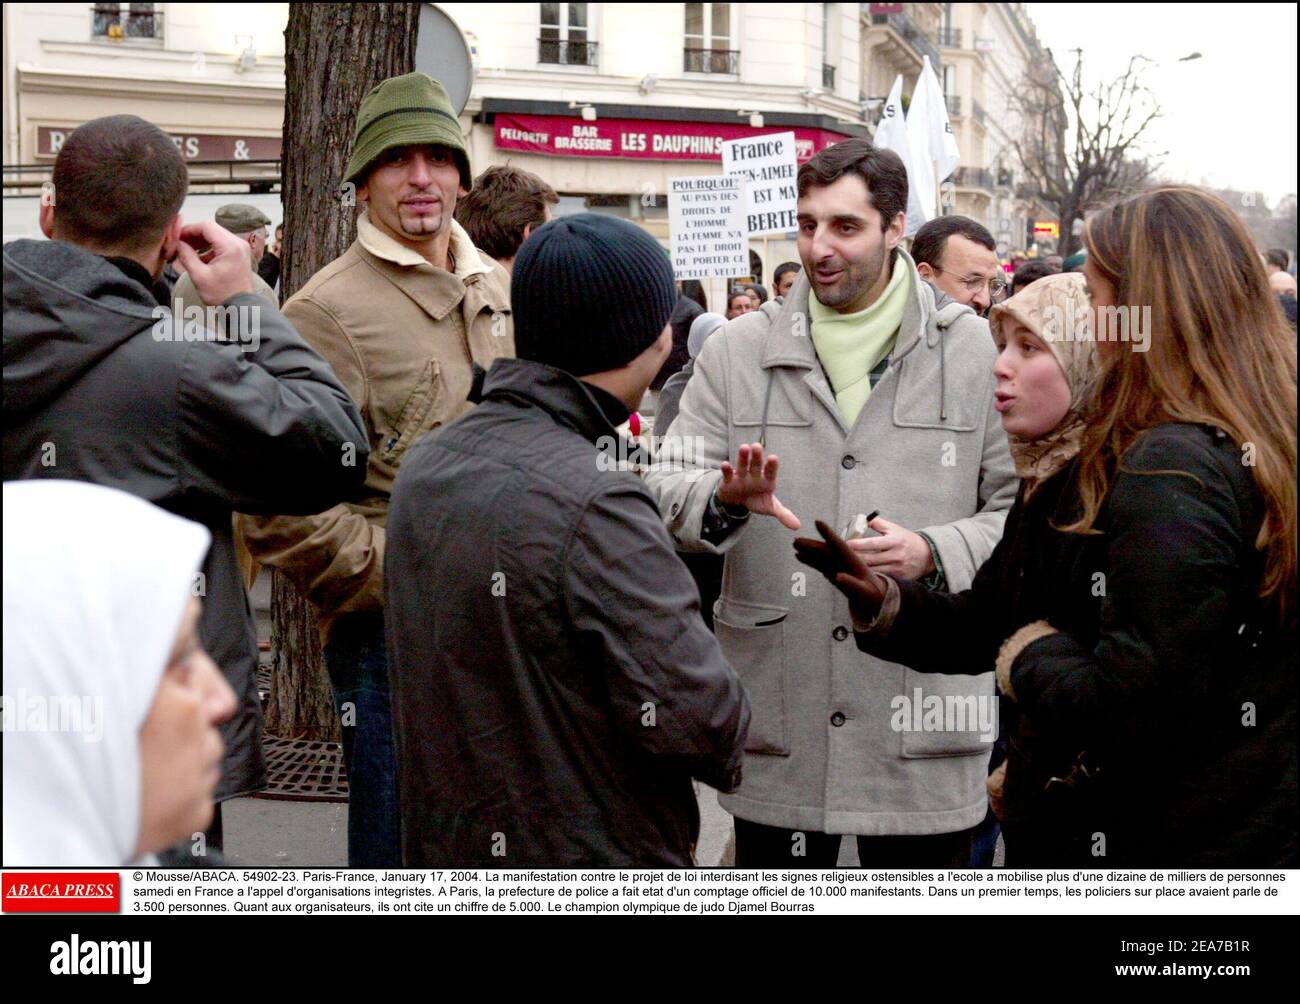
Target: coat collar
436,291
461,247
789,341
589,410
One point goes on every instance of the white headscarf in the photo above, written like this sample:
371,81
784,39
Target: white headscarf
95,584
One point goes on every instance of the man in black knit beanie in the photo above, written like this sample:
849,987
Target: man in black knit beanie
555,690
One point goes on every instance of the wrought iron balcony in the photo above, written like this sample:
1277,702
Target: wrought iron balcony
566,52
954,104
137,20
711,61
911,34
948,38
828,76
973,177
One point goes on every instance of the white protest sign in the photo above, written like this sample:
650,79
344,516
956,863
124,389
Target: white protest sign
706,216
768,163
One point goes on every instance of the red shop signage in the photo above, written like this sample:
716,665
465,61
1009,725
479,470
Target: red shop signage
194,147
638,139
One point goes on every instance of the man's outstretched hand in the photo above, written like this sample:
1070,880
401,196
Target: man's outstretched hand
751,482
840,564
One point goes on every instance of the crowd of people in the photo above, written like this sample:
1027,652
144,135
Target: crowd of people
923,554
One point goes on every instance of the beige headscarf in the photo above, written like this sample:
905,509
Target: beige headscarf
1056,309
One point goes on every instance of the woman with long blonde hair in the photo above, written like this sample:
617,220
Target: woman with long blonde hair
1148,637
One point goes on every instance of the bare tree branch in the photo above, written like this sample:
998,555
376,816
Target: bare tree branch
1081,144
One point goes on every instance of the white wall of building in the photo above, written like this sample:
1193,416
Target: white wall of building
57,74
780,48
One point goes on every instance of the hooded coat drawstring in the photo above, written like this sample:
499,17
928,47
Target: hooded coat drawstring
943,382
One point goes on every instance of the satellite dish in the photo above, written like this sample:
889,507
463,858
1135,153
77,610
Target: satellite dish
442,52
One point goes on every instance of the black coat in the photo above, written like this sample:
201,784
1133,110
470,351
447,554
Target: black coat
199,428
1164,655
554,688
684,313
269,268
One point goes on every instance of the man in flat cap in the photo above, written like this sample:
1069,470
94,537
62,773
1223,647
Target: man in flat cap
247,222
401,317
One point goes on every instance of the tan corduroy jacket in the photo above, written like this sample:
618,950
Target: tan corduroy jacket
402,336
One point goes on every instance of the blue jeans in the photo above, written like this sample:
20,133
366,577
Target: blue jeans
984,841
357,661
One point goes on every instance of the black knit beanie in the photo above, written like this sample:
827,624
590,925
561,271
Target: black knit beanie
589,293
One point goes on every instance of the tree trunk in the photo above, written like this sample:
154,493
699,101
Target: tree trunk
334,54
1068,212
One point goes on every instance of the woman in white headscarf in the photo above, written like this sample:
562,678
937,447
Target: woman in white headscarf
111,751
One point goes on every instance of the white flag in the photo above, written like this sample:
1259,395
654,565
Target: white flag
934,147
891,134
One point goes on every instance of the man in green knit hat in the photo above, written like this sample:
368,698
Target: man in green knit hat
401,317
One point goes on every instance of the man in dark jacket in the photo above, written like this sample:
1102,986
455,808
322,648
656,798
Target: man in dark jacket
99,385
554,688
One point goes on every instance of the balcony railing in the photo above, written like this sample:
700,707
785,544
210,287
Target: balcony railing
954,104
566,52
828,76
913,35
948,38
139,20
711,60
973,177
977,110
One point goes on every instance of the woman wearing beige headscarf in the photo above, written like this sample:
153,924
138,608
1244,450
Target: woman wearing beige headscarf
1036,576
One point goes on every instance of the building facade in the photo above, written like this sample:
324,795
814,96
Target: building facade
988,50
211,75
606,101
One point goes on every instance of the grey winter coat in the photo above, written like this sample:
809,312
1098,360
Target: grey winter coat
825,750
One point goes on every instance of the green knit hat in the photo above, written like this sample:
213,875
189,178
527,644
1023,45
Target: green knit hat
409,110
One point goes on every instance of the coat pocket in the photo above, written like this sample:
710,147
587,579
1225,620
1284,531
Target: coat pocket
753,640
946,715
412,419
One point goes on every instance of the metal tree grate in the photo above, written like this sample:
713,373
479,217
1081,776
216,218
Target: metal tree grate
303,770
300,770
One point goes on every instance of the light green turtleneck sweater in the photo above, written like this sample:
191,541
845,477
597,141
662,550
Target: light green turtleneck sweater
850,346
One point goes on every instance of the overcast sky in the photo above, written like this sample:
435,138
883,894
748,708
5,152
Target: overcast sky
1230,116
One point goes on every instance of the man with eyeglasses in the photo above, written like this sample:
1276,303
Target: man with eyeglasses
957,256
